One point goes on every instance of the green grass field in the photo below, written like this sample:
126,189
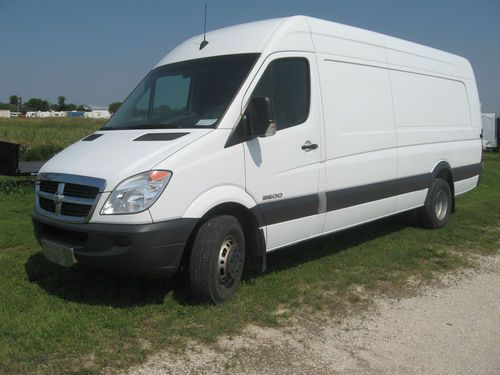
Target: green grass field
41,138
57,320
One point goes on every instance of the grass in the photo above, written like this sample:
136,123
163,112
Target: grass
41,138
56,320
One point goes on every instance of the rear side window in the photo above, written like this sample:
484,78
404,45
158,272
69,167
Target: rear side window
286,83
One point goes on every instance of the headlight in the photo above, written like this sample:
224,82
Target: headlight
136,193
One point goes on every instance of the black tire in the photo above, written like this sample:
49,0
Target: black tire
217,260
437,209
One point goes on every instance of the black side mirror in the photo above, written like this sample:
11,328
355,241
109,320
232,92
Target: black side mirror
260,117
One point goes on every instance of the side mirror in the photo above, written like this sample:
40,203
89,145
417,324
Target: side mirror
261,118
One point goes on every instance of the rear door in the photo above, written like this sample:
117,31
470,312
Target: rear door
283,170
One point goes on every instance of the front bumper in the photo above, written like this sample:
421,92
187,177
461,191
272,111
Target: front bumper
152,250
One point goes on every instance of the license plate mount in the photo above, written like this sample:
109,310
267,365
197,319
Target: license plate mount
59,254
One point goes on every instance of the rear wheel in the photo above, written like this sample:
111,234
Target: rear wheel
436,212
217,259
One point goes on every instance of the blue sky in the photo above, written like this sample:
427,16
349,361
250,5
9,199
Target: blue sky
95,52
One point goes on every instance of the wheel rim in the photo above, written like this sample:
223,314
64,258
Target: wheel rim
441,205
230,261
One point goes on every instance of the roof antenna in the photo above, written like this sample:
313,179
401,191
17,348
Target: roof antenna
205,42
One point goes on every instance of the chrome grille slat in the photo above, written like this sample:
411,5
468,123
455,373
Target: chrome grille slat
68,197
46,195
76,200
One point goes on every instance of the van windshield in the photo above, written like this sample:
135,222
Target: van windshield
188,94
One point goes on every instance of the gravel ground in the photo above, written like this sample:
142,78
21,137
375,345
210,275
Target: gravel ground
453,328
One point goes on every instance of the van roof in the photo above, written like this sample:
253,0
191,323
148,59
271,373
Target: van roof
302,33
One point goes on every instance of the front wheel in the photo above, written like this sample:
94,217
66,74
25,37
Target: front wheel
436,212
217,259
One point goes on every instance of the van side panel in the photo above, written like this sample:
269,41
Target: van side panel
435,116
411,56
360,138
346,41
393,111
429,109
358,108
427,101
474,104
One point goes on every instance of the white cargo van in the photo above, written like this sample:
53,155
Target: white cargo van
271,133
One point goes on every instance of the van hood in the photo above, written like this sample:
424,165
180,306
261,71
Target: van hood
115,155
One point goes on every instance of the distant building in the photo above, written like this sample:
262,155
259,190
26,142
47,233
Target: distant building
98,113
45,114
38,114
75,114
4,113
92,113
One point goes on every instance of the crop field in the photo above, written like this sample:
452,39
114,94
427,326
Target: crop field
40,138
77,320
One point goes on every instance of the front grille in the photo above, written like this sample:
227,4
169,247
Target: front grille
68,197
48,186
81,191
47,204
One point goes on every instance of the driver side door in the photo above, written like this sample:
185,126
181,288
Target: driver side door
283,170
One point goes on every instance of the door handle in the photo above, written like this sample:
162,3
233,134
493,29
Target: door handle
308,146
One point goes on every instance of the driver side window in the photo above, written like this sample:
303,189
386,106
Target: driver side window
286,83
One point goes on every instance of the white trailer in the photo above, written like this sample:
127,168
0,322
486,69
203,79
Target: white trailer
98,114
490,131
57,113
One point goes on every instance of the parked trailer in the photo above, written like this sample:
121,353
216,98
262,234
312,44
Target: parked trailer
40,114
58,113
491,124
98,114
263,135
75,114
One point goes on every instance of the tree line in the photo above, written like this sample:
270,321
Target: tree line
16,104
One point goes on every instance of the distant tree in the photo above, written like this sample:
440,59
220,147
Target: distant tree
113,107
13,100
61,101
54,107
70,107
36,104
6,106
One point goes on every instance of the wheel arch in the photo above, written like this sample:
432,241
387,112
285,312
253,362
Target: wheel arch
443,170
229,200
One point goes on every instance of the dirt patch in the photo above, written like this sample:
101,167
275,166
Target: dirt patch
449,328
